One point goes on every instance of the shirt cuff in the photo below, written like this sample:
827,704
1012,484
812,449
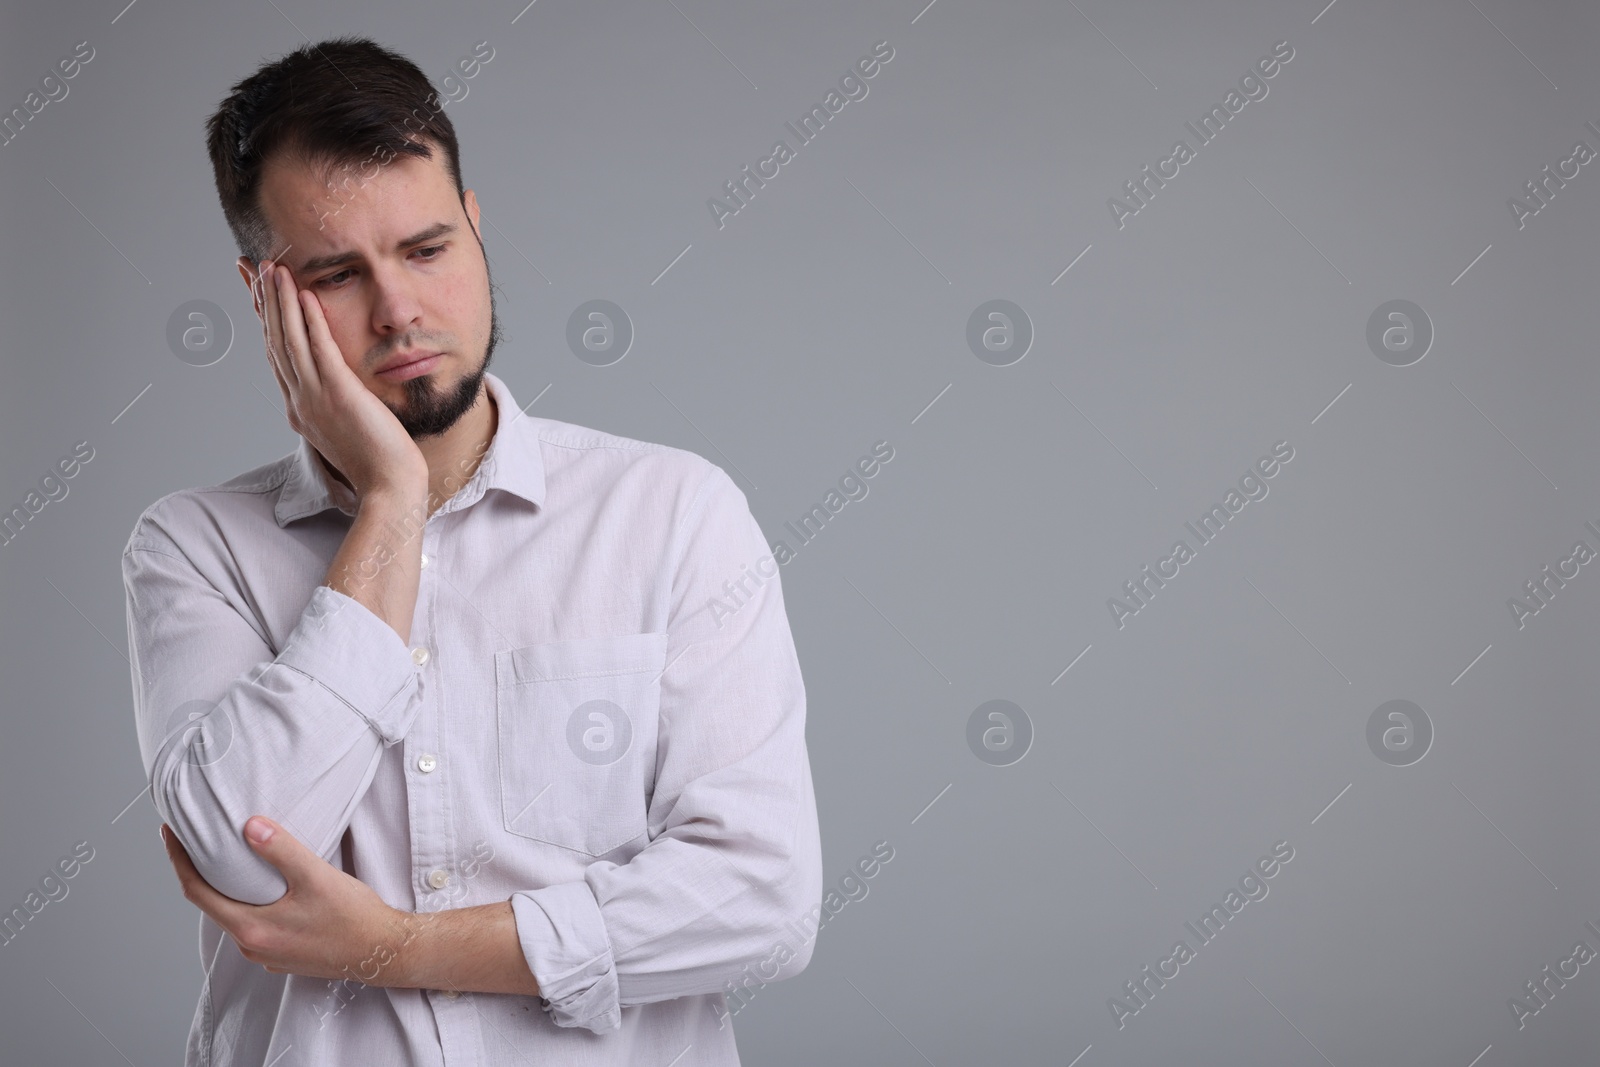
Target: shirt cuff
564,941
356,656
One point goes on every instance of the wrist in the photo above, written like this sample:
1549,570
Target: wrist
395,498
404,936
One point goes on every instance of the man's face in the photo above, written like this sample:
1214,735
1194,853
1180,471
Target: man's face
398,267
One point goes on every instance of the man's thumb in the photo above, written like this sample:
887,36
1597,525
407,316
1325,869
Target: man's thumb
280,848
259,829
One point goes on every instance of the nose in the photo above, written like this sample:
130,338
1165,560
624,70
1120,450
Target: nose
395,304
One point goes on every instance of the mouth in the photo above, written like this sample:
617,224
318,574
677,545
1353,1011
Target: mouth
412,366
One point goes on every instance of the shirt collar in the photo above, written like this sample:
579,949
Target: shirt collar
513,463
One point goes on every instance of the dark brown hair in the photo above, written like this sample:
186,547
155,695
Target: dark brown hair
345,101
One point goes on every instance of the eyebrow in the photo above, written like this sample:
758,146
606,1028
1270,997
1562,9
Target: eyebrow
338,259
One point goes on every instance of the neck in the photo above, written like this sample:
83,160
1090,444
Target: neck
454,456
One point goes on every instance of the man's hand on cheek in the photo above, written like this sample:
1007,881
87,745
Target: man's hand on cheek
327,925
324,399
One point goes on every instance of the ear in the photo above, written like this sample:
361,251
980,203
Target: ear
469,200
248,271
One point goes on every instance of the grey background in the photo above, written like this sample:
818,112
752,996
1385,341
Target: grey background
1226,316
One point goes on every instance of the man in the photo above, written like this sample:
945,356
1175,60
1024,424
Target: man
475,740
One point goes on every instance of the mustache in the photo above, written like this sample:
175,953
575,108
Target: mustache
383,349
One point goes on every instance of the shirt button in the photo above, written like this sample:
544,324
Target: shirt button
419,656
439,879
426,763
452,993
424,559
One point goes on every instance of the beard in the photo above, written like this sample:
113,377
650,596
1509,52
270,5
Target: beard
428,411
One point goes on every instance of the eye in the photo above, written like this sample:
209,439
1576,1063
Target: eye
331,280
435,249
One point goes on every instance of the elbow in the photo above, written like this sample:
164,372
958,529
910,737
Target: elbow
792,940
800,958
211,835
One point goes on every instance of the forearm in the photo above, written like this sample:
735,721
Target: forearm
379,565
230,726
473,950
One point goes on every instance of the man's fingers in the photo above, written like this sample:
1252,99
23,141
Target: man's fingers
272,362
297,863
272,333
223,910
271,325
328,356
294,332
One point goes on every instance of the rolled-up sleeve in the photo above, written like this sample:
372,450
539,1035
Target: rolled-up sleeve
734,864
229,729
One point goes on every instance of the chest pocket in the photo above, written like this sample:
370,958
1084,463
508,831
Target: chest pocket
577,738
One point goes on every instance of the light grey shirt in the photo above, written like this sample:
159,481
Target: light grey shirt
599,715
